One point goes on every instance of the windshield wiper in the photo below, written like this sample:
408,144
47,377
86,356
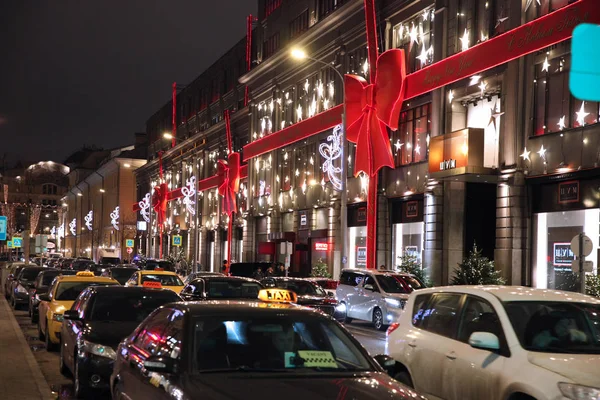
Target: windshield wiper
241,368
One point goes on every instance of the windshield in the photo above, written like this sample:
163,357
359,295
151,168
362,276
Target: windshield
274,344
231,289
68,291
556,327
48,277
122,274
29,274
129,306
301,288
81,265
110,260
398,283
165,280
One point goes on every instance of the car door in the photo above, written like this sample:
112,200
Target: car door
44,307
71,328
135,379
475,373
352,293
367,298
434,343
193,290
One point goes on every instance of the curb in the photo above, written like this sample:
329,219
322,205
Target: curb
36,372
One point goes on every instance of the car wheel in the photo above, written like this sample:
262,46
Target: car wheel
404,378
49,345
378,320
80,388
345,318
40,333
61,362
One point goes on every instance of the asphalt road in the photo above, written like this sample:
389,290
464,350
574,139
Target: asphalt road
62,387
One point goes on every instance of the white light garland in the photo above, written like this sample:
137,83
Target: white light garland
189,195
73,227
60,232
464,40
581,114
525,155
88,220
332,151
144,205
114,218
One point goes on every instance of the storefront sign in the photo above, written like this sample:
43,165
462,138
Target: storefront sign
562,255
568,192
320,246
361,214
461,150
412,209
545,31
303,219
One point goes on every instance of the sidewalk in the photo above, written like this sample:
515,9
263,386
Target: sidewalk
20,375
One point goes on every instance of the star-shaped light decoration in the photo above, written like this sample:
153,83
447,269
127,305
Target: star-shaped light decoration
414,35
529,4
465,41
474,80
525,155
482,87
500,21
483,37
423,56
581,114
425,15
545,65
542,152
398,145
494,115
561,122
365,67
450,96
418,149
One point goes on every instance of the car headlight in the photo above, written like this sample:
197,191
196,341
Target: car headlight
57,317
99,350
393,302
21,289
577,392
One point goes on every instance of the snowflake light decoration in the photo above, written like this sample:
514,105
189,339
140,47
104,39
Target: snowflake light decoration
189,193
332,151
88,220
73,227
114,218
145,207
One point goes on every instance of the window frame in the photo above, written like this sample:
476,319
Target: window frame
454,328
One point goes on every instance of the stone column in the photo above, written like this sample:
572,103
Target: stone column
249,253
334,239
454,227
434,233
384,230
512,223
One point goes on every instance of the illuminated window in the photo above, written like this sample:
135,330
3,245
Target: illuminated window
415,37
409,142
299,24
555,108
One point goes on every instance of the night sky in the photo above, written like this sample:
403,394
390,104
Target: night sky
75,72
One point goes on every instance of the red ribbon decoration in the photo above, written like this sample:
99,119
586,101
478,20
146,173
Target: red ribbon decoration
229,181
160,199
372,107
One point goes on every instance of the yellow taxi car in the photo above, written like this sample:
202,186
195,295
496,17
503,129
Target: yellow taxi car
60,297
167,279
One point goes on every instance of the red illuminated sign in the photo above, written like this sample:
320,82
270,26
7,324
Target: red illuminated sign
320,246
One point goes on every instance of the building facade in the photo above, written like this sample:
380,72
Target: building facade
505,159
97,217
31,203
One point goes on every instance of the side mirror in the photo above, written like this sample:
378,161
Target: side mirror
164,365
386,362
72,315
484,341
369,287
44,297
330,294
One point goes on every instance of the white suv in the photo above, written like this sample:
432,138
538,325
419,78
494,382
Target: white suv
498,342
374,295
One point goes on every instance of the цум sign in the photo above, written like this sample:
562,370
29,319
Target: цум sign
562,256
447,164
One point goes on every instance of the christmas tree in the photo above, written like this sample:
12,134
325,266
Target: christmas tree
477,270
320,270
592,285
409,264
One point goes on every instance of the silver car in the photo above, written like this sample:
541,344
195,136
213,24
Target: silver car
376,296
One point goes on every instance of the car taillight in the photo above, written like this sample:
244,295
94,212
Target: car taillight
393,326
330,301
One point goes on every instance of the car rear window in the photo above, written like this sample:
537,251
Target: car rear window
130,306
165,280
29,274
232,289
68,291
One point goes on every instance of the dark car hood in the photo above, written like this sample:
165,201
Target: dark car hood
108,333
234,386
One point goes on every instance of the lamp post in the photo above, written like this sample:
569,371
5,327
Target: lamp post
299,54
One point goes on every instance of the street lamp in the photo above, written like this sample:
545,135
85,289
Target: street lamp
168,136
299,54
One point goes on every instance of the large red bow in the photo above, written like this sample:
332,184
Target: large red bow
229,181
372,107
160,199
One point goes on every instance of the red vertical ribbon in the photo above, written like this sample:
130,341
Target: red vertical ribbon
174,116
373,51
232,214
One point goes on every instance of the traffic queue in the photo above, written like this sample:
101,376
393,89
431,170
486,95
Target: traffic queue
212,336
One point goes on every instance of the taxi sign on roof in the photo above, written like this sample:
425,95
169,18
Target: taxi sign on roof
152,284
85,273
277,296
